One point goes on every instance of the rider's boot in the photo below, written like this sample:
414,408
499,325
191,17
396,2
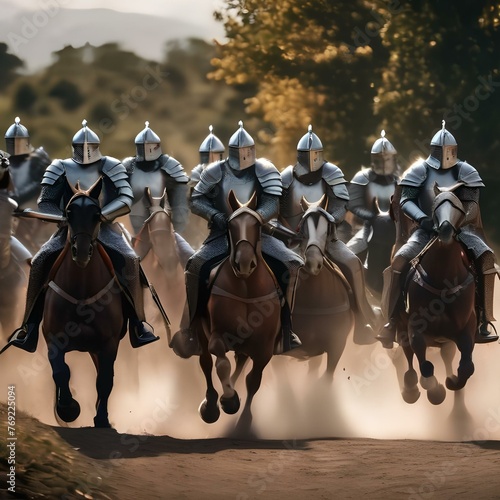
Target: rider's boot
26,337
391,295
185,342
486,283
139,334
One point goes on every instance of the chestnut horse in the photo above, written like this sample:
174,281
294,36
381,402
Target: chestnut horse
243,314
83,306
322,315
440,299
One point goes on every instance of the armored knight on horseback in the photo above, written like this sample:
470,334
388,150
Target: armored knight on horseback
312,177
443,169
84,168
27,166
370,187
243,174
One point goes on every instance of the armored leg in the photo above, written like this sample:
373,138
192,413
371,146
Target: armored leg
485,266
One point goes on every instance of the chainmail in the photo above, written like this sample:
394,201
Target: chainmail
268,207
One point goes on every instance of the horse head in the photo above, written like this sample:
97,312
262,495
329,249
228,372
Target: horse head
83,214
383,229
244,227
448,212
315,226
156,204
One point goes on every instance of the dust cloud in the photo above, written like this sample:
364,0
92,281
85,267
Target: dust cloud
157,393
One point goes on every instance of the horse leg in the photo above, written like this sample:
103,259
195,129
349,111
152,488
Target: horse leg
230,401
209,407
104,384
67,408
436,392
465,345
410,392
448,351
241,361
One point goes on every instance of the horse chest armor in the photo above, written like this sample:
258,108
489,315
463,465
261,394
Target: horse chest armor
243,186
86,176
291,209
441,177
381,193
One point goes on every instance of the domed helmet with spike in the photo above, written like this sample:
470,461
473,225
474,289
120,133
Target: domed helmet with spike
241,149
211,149
17,139
443,149
310,151
85,145
383,155
147,145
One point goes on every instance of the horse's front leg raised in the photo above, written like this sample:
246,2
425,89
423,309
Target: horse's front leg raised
410,390
465,345
230,401
209,407
67,408
104,385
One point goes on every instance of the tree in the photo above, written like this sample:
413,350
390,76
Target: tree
9,64
314,61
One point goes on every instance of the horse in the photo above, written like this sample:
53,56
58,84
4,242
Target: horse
440,298
322,314
163,253
380,244
83,308
243,314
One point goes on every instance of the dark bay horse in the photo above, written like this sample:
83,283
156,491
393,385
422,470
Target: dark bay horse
243,315
322,315
83,306
440,304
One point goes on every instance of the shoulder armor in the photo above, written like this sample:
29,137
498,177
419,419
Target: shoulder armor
129,164
113,168
173,168
362,177
39,158
269,177
53,172
415,175
469,175
287,177
332,174
194,178
210,176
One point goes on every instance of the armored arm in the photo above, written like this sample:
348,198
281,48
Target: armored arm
470,200
202,206
177,198
268,207
356,203
38,161
409,197
51,196
4,172
116,174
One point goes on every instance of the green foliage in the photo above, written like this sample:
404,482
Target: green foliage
25,97
9,64
68,93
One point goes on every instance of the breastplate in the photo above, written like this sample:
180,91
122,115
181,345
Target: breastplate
244,184
139,181
291,209
21,175
380,192
86,175
441,177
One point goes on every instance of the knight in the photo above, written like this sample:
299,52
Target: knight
27,166
85,167
243,174
372,188
442,168
160,172
210,150
312,177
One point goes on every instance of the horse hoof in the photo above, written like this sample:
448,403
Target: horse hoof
208,414
410,379
437,395
68,412
230,405
453,383
410,396
101,423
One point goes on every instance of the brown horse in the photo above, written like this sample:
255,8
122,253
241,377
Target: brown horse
83,307
322,315
243,314
440,300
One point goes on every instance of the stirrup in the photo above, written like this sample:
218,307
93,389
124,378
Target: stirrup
140,335
387,335
28,341
185,344
483,335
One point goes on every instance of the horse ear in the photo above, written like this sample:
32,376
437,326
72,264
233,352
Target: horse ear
74,189
437,189
304,203
252,202
148,199
377,206
95,190
233,201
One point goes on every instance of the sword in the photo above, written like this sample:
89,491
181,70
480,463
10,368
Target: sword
31,214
